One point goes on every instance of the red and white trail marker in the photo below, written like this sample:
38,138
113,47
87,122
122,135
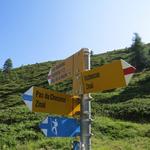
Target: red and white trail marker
128,71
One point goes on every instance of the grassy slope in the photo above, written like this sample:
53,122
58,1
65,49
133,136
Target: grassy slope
116,134
19,127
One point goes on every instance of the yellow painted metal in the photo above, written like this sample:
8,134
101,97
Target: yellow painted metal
80,64
77,88
62,70
52,102
69,67
106,77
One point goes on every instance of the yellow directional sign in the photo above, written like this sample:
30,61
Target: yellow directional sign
109,76
80,64
61,71
49,101
68,68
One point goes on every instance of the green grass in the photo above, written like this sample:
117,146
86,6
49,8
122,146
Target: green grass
127,144
112,134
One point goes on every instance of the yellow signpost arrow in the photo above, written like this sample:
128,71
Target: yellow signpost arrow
109,76
48,101
67,68
70,68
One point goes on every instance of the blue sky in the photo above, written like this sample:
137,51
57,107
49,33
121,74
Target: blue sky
41,30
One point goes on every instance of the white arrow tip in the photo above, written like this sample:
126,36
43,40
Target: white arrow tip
27,98
44,131
49,77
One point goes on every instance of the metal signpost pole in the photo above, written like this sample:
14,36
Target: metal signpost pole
86,118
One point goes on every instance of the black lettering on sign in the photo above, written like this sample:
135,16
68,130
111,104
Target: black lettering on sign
39,94
46,96
40,104
92,76
89,86
57,98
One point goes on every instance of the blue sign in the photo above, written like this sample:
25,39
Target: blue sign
60,127
76,145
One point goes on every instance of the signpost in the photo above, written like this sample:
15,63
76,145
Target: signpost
85,81
85,116
48,101
109,76
60,127
76,64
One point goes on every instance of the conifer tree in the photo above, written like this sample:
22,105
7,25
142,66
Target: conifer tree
137,58
7,66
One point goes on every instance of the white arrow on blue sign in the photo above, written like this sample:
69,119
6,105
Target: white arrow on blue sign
60,127
27,98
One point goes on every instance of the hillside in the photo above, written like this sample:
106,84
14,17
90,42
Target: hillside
121,116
